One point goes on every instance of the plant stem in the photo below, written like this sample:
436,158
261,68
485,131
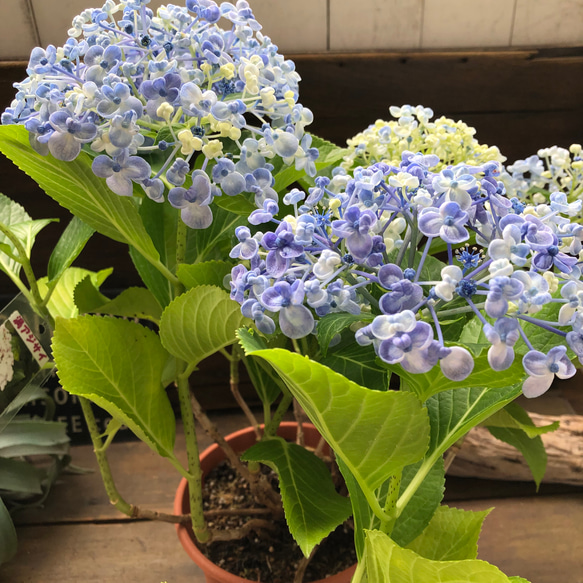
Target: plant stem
112,493
195,480
391,503
271,428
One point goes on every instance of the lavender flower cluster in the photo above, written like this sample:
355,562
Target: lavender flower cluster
168,87
352,246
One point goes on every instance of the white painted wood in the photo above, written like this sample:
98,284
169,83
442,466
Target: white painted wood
375,24
295,26
17,37
467,23
548,23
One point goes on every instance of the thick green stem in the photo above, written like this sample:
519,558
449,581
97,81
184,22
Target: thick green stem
199,525
390,508
112,493
271,428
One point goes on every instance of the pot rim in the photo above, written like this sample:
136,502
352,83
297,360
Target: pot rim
187,541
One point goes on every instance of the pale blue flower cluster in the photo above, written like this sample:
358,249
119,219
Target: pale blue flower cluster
152,92
365,244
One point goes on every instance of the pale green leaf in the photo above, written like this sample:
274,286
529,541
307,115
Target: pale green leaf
313,508
532,448
375,433
118,365
74,186
207,273
452,535
26,232
513,416
199,323
19,476
8,541
68,247
61,303
422,506
87,297
11,213
386,562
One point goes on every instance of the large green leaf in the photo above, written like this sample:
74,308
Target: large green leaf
68,247
313,508
454,412
199,323
207,273
433,382
358,364
74,186
386,562
62,304
8,541
239,204
420,510
375,433
118,365
452,535
160,287
264,379
532,448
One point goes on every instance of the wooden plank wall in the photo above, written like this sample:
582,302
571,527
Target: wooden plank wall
517,100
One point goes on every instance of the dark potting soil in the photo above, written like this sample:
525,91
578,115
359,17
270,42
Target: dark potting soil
270,557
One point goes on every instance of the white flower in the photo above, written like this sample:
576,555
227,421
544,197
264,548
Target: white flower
451,275
326,264
6,357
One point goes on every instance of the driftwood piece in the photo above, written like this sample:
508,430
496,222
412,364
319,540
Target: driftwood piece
484,456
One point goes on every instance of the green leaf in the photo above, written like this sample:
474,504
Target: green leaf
74,186
118,365
214,242
207,273
87,297
134,302
264,379
513,416
21,477
152,278
391,427
28,230
199,323
68,247
452,535
532,448
33,437
454,412
358,364
62,304
419,511
8,541
473,336
433,382
386,562
239,205
313,508
332,324
11,213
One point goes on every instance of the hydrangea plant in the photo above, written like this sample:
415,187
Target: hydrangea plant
178,137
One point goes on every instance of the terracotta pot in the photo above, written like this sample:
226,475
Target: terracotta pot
209,459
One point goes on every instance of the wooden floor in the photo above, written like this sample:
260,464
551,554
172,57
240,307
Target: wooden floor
78,537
